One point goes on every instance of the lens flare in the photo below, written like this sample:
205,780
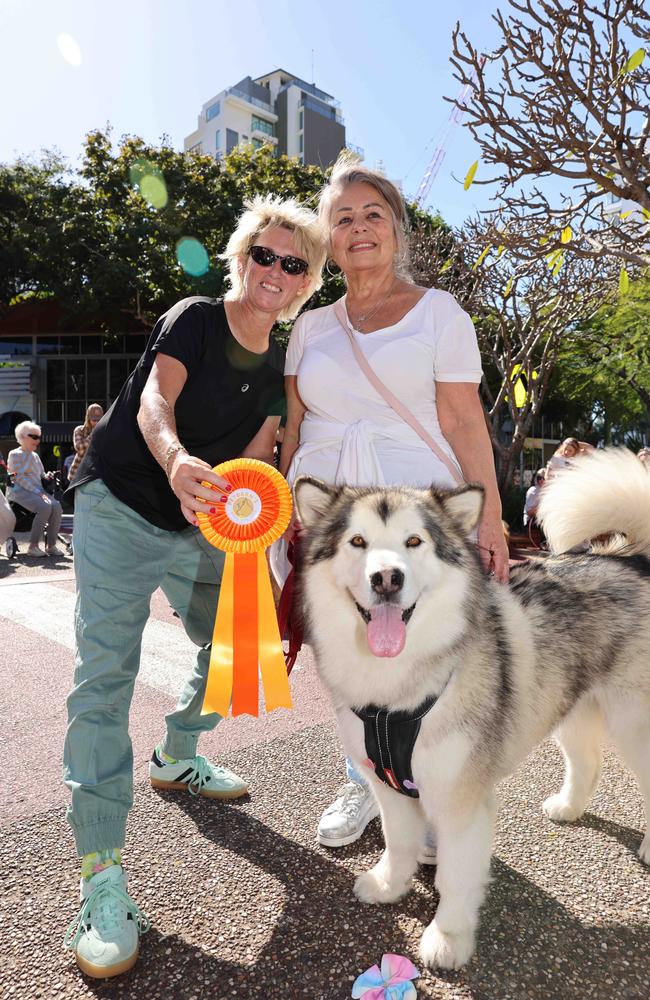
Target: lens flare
146,177
192,256
69,49
154,190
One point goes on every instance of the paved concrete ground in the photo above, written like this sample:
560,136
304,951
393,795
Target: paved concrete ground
243,902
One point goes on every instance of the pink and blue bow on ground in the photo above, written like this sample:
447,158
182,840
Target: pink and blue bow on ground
390,982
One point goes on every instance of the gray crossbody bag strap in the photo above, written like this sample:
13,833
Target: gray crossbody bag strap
395,404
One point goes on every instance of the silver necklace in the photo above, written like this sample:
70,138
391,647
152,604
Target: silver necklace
364,317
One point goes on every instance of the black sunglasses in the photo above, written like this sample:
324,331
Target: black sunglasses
266,258
34,437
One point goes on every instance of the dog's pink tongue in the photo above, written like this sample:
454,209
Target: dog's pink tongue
386,630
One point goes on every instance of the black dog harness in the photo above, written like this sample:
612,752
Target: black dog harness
390,739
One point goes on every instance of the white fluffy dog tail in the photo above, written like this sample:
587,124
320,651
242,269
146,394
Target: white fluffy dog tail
605,493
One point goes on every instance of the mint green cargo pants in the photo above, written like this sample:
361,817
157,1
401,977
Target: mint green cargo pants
120,560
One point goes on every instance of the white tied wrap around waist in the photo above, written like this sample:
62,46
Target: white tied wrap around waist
358,462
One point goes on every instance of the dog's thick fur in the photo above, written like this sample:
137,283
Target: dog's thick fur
565,649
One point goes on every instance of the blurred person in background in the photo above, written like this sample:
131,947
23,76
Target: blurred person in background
81,437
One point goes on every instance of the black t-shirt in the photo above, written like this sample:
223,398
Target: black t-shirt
228,395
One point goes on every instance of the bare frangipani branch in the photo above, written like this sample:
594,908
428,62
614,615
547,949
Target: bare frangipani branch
566,96
522,310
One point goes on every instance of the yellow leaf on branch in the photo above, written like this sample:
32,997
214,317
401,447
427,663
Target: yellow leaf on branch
623,282
481,258
634,61
470,175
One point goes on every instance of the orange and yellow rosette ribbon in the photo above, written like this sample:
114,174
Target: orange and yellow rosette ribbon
246,639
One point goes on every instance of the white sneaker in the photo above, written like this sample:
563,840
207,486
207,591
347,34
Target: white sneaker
54,550
35,552
429,851
345,820
105,933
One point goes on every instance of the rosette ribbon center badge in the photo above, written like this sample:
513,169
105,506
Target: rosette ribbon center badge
246,641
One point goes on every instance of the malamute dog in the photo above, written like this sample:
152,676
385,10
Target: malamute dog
443,681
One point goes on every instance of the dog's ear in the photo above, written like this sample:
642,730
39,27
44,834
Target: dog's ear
312,498
464,505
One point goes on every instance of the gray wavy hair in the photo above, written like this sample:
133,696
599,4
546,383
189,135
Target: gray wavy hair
349,169
269,212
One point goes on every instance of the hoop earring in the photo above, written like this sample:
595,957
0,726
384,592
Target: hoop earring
328,269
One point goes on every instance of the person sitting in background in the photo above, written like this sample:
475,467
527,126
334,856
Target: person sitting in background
81,436
532,496
565,455
561,458
27,472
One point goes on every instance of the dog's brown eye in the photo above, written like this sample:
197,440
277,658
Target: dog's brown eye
358,542
413,541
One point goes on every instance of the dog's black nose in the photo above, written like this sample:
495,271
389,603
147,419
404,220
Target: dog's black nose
388,581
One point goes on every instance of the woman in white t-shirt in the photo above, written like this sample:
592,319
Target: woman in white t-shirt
423,347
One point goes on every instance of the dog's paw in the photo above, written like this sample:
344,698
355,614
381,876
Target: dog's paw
445,951
558,808
644,850
372,888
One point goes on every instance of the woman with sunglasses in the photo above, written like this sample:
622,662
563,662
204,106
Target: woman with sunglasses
81,436
27,472
208,388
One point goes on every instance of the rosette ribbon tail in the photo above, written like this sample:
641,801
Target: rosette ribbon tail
218,689
275,679
246,640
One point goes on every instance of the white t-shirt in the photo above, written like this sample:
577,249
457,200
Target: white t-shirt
532,500
349,433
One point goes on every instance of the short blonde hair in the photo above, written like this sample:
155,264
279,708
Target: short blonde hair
23,429
348,169
269,212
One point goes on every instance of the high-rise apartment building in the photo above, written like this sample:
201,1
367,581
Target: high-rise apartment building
295,116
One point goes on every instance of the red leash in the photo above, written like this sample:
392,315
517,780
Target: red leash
289,621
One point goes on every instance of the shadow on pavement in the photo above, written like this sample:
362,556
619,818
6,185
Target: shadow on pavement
246,906
625,835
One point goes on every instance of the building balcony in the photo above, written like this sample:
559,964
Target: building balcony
247,99
326,110
310,88
264,136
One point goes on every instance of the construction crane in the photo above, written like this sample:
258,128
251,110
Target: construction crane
455,118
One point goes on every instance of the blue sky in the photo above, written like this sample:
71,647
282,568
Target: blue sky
148,65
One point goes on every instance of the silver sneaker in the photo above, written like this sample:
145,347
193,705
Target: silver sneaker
428,854
345,820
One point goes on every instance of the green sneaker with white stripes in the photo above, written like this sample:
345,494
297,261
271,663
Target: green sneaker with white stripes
196,775
105,934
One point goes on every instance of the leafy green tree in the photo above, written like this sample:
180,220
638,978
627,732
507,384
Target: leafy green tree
35,199
104,241
105,244
604,365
